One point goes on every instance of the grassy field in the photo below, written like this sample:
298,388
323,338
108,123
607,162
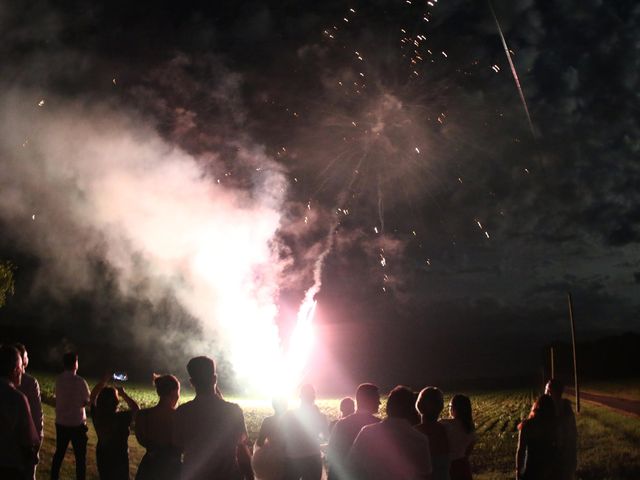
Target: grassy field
627,389
608,441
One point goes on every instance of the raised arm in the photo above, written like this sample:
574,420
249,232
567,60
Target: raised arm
131,403
142,434
97,389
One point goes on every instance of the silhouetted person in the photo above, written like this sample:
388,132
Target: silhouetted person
210,431
392,449
268,459
346,429
461,433
31,389
303,429
430,404
347,407
270,428
154,427
112,428
19,441
536,457
567,431
72,396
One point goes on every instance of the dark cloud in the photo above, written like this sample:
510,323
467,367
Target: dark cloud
482,227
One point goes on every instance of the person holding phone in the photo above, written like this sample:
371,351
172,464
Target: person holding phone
112,427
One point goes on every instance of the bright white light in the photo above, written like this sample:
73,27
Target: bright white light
300,345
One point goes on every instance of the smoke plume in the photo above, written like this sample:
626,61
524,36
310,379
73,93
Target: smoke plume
84,181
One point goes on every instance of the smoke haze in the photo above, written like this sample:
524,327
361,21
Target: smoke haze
84,182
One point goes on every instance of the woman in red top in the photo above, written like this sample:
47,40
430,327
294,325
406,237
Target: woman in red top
537,452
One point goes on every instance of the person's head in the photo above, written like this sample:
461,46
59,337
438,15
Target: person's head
202,374
167,388
460,407
279,405
107,401
401,404
554,387
430,403
10,364
368,398
22,350
347,406
542,412
543,408
70,361
307,394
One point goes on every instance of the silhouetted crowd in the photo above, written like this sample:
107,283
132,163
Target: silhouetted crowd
206,438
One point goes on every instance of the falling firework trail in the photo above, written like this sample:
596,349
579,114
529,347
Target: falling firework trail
380,206
302,332
319,265
513,69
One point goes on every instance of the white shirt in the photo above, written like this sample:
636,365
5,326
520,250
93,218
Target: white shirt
459,438
302,429
72,395
391,449
345,433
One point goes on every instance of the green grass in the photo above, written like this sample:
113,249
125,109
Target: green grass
607,440
627,389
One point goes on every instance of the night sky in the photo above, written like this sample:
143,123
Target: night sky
454,230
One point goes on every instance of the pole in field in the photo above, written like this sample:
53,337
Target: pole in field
573,342
553,369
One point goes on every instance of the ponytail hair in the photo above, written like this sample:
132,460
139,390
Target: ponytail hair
462,406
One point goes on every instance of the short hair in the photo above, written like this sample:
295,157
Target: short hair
69,360
555,385
401,403
165,384
279,404
107,401
347,405
20,347
201,371
9,360
430,396
367,393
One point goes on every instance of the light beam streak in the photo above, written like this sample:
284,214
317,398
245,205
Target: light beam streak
513,70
